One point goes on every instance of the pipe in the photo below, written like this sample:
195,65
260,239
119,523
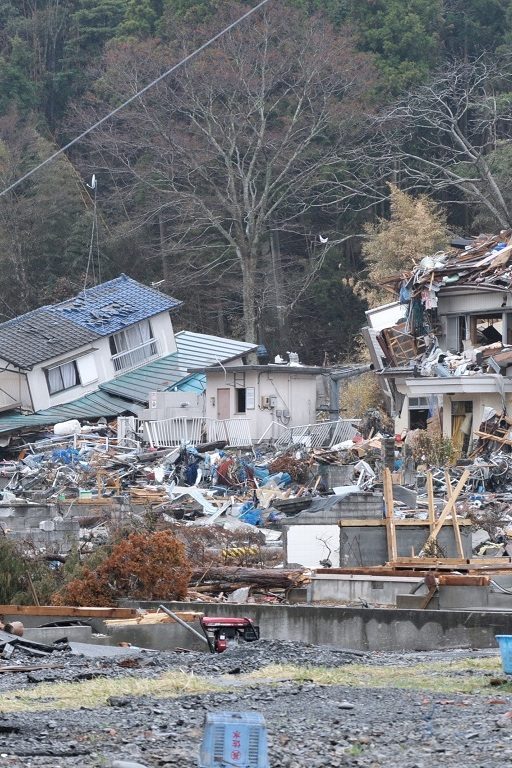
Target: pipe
184,624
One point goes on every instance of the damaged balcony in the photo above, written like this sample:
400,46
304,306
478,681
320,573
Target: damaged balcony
133,358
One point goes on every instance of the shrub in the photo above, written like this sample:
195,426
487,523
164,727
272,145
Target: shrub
143,566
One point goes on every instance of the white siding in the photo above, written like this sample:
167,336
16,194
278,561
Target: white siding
306,544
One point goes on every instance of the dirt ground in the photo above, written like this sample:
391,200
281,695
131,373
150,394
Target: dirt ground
322,707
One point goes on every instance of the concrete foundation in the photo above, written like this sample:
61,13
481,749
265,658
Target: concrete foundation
381,590
365,629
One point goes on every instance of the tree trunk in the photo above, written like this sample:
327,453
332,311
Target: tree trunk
248,265
278,286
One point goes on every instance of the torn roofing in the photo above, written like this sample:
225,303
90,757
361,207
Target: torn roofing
194,351
55,330
112,306
91,406
40,335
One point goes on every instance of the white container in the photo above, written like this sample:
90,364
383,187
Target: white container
71,427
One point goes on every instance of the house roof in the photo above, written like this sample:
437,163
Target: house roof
55,330
40,335
112,306
91,406
290,370
195,351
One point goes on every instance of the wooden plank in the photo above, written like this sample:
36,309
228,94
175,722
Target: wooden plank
363,523
390,521
68,610
428,597
456,528
430,498
450,505
154,618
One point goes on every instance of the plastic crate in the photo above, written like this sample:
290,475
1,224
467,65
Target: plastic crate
505,643
234,739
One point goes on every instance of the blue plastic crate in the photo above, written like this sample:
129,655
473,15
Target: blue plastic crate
234,739
505,643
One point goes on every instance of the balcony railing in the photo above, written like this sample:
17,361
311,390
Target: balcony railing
133,358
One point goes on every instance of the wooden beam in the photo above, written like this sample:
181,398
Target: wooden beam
367,522
68,610
390,520
456,529
450,505
430,498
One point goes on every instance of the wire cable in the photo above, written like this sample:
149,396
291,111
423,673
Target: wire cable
154,82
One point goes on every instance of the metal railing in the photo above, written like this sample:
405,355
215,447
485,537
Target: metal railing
323,434
132,358
168,433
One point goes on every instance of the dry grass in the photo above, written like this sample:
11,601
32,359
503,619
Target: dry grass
468,676
94,693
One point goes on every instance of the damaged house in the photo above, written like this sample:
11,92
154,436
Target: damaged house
444,348
100,354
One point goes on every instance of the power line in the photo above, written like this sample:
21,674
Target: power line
187,58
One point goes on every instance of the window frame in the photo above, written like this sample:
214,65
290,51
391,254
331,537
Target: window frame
63,388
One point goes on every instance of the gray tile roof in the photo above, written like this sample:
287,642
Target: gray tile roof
40,335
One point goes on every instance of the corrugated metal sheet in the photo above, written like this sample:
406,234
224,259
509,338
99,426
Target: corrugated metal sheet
195,350
91,406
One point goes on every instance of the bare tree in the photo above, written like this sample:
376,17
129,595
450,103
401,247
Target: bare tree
238,150
448,135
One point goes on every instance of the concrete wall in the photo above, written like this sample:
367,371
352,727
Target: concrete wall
366,629
22,523
367,545
381,590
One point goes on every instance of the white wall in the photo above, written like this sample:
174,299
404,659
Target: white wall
294,393
99,358
304,544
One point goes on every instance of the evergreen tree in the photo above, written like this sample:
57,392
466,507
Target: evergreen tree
16,87
403,34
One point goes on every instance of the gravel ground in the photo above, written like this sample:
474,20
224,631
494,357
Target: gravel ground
309,724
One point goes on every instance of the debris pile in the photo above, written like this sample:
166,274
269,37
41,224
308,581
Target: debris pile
486,265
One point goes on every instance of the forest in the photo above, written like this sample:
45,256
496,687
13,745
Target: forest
270,182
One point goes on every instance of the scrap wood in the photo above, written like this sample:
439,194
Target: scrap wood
68,610
449,508
261,577
154,618
390,522
30,667
456,528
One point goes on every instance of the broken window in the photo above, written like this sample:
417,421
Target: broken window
62,377
241,400
418,412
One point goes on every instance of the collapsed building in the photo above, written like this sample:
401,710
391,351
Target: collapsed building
443,350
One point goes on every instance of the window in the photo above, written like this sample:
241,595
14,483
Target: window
240,400
418,412
133,346
62,377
